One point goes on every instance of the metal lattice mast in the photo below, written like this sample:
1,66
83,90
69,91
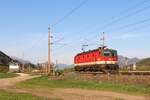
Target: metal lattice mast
103,39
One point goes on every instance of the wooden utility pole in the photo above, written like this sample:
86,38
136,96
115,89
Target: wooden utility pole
49,52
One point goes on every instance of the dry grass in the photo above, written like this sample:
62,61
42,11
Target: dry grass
120,79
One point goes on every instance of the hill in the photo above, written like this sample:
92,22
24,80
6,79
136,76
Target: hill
20,61
63,66
122,61
144,64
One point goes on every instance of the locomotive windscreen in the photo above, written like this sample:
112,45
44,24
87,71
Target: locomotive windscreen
110,53
114,53
107,53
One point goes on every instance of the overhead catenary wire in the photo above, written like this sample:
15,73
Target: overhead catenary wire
138,28
60,20
85,1
135,29
70,13
66,16
129,14
132,7
97,44
123,17
131,24
119,17
124,11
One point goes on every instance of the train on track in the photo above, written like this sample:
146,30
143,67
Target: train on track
101,59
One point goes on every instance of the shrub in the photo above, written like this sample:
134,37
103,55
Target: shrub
4,68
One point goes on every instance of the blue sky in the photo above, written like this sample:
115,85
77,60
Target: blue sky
24,23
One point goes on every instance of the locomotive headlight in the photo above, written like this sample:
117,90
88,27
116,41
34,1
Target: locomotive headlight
99,59
110,59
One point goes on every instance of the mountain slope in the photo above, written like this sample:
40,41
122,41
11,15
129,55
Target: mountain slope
122,61
144,64
19,60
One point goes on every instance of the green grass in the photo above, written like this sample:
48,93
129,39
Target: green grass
8,75
19,96
44,82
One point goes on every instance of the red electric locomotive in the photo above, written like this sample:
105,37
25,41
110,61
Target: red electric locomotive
101,59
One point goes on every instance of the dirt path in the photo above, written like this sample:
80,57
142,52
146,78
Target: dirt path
96,95
83,94
9,82
65,94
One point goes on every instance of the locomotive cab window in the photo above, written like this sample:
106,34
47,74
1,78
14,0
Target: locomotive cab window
107,53
114,53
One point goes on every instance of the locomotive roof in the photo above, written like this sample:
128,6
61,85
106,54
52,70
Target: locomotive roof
93,51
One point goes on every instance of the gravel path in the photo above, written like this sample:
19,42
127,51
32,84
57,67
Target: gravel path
9,82
84,94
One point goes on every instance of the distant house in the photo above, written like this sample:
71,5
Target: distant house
4,59
14,64
4,62
14,67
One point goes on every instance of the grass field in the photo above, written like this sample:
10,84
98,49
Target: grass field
8,75
19,96
44,82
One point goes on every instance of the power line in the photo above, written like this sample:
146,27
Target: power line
63,18
138,28
121,13
132,24
67,15
57,41
118,19
132,7
124,11
70,12
128,15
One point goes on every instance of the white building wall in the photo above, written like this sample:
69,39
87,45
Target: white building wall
13,67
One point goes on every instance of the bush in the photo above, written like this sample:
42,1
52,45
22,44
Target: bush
4,68
69,69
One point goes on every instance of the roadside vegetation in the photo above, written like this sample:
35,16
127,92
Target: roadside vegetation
7,75
19,96
46,83
4,68
144,64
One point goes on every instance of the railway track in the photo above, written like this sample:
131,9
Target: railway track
120,73
135,72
